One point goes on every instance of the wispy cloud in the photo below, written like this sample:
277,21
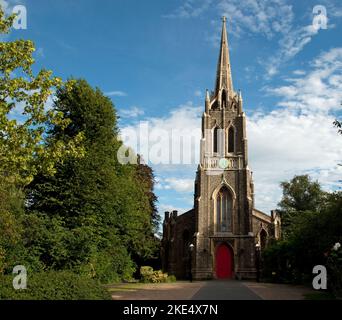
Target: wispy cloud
272,19
190,9
266,17
116,94
319,90
177,184
289,46
132,112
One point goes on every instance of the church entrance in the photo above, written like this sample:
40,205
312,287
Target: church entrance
224,262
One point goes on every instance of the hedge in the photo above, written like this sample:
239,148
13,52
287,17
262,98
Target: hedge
53,285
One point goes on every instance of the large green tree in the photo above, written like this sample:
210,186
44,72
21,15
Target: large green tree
106,207
312,221
24,149
300,194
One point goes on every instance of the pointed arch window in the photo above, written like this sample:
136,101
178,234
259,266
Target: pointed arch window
224,207
231,140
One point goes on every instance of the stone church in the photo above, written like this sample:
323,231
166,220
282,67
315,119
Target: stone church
221,236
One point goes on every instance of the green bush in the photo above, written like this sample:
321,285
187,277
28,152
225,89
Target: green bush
108,266
171,278
148,275
334,265
54,285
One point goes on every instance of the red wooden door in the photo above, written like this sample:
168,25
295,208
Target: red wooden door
224,262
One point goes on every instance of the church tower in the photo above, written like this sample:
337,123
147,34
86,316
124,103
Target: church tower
223,187
221,237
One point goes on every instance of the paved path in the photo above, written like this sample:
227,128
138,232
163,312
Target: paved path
225,290
161,291
208,290
273,291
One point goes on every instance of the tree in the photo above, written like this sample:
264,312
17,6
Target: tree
24,149
106,208
314,224
300,194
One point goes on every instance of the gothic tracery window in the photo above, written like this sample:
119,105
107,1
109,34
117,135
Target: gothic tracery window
224,206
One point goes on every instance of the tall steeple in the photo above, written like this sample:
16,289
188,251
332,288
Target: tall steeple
224,75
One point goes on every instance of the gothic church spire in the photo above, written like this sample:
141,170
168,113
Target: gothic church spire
224,76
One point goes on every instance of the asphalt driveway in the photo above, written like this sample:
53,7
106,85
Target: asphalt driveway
208,290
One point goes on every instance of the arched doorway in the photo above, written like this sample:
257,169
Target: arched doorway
224,262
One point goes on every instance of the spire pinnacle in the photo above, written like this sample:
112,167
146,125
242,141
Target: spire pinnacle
207,96
224,76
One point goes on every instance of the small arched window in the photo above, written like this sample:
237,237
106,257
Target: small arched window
224,207
231,140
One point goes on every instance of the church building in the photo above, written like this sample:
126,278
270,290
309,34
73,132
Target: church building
223,234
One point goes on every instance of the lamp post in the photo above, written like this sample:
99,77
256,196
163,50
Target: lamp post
191,249
257,260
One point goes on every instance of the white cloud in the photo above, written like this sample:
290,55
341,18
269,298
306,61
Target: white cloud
299,138
168,140
169,207
320,90
267,17
132,112
116,94
177,184
283,144
289,46
299,72
333,8
190,9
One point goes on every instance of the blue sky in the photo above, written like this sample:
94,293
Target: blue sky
155,59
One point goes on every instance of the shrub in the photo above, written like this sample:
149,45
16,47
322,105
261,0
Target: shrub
54,285
171,278
108,266
148,275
